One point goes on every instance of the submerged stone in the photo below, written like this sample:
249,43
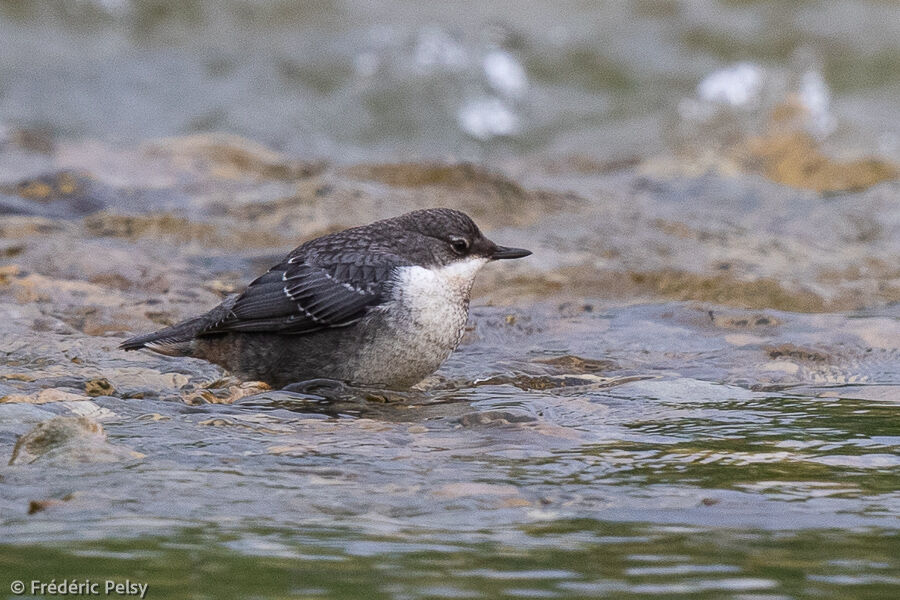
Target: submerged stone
68,439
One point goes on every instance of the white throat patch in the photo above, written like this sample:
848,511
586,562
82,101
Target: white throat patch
450,282
436,300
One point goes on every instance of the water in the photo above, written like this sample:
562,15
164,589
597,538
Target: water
375,80
658,478
689,390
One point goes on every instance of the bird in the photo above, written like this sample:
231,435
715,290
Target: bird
380,305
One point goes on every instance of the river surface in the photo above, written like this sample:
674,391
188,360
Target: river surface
690,389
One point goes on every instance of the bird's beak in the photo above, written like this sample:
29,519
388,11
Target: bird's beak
504,252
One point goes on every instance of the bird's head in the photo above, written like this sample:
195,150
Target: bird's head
445,237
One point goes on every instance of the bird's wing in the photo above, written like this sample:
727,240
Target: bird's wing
299,296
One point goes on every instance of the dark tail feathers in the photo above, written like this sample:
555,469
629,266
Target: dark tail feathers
176,340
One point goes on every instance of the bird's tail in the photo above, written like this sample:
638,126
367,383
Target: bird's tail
177,340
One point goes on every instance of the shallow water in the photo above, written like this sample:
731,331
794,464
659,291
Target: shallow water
689,390
659,473
676,395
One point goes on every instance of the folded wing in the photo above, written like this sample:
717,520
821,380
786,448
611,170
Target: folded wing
299,297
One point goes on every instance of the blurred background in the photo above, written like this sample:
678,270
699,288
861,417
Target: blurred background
384,80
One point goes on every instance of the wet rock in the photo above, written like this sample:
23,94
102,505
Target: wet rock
794,159
338,391
589,165
716,288
99,387
180,229
70,253
142,380
797,353
462,175
491,198
121,282
728,290
224,391
494,418
44,397
99,321
874,393
576,364
19,227
68,439
8,273
36,506
17,377
295,450
565,382
529,382
33,139
64,194
11,250
33,287
154,417
89,409
231,157
258,423
742,321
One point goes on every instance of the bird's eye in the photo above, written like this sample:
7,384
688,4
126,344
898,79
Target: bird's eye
459,245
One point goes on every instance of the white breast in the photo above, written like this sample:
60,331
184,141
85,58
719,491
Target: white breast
435,298
423,322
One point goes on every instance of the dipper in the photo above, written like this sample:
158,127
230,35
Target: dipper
379,305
